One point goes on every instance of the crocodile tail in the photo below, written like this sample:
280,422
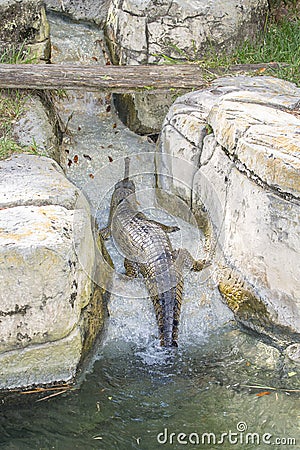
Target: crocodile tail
165,343
126,172
167,324
167,307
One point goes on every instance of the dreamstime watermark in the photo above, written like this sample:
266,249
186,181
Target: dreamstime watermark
239,436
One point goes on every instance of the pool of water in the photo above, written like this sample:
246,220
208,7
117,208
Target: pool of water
138,397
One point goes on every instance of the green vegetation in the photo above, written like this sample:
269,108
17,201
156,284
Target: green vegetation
17,55
12,103
11,107
280,42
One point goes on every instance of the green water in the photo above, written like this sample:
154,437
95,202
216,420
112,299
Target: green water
134,398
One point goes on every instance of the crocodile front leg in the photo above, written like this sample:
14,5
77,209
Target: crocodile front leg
183,258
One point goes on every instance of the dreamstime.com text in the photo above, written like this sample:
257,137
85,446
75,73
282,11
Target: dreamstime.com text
240,436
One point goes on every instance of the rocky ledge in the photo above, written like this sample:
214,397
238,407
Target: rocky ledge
232,152
46,269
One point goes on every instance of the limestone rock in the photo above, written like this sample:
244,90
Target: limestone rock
25,23
144,31
235,114
86,10
243,173
29,180
56,361
39,126
143,113
272,153
260,356
38,240
46,269
147,32
293,353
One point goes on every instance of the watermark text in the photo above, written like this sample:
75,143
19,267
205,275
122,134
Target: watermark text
239,436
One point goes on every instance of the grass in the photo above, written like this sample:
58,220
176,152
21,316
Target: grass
17,55
12,105
280,42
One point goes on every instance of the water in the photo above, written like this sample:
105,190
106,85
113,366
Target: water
132,394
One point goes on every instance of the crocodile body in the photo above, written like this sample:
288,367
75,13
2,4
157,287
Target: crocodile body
148,252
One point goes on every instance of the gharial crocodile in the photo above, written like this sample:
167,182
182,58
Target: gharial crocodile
148,251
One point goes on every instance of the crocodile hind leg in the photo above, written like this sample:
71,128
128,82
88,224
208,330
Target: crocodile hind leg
103,250
183,258
105,233
165,228
131,268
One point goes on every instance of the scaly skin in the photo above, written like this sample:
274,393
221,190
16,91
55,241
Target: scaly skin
148,251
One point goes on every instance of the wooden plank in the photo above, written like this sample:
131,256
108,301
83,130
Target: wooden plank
115,78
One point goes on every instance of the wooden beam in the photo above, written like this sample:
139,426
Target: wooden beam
116,78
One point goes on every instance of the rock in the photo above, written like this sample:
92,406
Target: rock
151,32
25,23
85,10
85,47
46,270
260,356
41,182
143,32
45,363
232,153
266,356
293,353
143,113
38,240
274,157
39,126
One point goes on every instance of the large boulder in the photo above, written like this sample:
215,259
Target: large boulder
232,152
148,31
151,32
24,23
46,270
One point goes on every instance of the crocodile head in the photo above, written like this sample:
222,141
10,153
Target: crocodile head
122,191
124,188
